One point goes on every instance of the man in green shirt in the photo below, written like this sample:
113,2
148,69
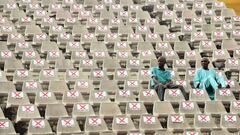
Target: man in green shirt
207,79
161,79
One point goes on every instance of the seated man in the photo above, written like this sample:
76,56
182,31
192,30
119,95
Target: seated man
208,79
161,79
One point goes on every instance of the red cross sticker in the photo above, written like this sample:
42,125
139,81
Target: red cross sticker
151,21
198,20
99,7
74,44
64,36
38,123
203,118
218,34
134,62
54,53
30,54
48,72
230,82
168,13
188,105
23,45
121,120
161,6
132,83
69,1
135,36
81,54
198,34
16,36
163,45
133,20
152,35
22,73
67,122
87,62
73,94
26,19
95,121
181,62
115,21
57,28
236,33
191,72
77,6
177,118
207,12
227,26
122,73
142,28
102,28
45,94
171,35
134,7
32,85
7,28
218,18
83,84
93,20
98,73
124,93
112,35
100,94
236,18
6,54
34,6
28,108
56,6
48,20
38,62
121,44
224,92
148,93
187,27
123,54
179,5
219,52
4,124
149,119
124,13
219,4
11,6
174,92
146,53
206,43
83,107
145,73
17,94
85,13
181,82
199,5
191,53
73,73
2,20
170,53
41,12
191,133
178,20
230,118
88,36
198,92
116,6
41,36
134,106
236,104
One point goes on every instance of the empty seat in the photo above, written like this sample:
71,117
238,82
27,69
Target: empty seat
214,107
85,86
22,75
47,75
189,108
235,107
109,109
6,127
124,96
204,122
135,109
109,86
132,85
17,98
158,111
230,122
148,96
98,97
177,122
51,112
198,95
71,97
58,87
173,95
224,95
45,97
7,87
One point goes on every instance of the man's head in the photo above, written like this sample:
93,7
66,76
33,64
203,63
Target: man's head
161,61
204,63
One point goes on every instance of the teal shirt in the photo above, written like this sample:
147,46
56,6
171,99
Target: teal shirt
161,76
202,75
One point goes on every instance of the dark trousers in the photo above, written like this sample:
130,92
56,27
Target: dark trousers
160,89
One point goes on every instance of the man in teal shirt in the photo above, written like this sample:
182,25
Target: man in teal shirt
207,79
161,79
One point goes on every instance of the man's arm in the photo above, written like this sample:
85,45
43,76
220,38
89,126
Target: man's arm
196,80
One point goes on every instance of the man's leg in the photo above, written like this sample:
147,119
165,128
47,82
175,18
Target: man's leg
160,89
175,86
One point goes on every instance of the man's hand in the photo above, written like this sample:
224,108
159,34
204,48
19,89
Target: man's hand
219,86
168,83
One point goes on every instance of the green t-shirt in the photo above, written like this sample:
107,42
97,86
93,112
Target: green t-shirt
161,76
